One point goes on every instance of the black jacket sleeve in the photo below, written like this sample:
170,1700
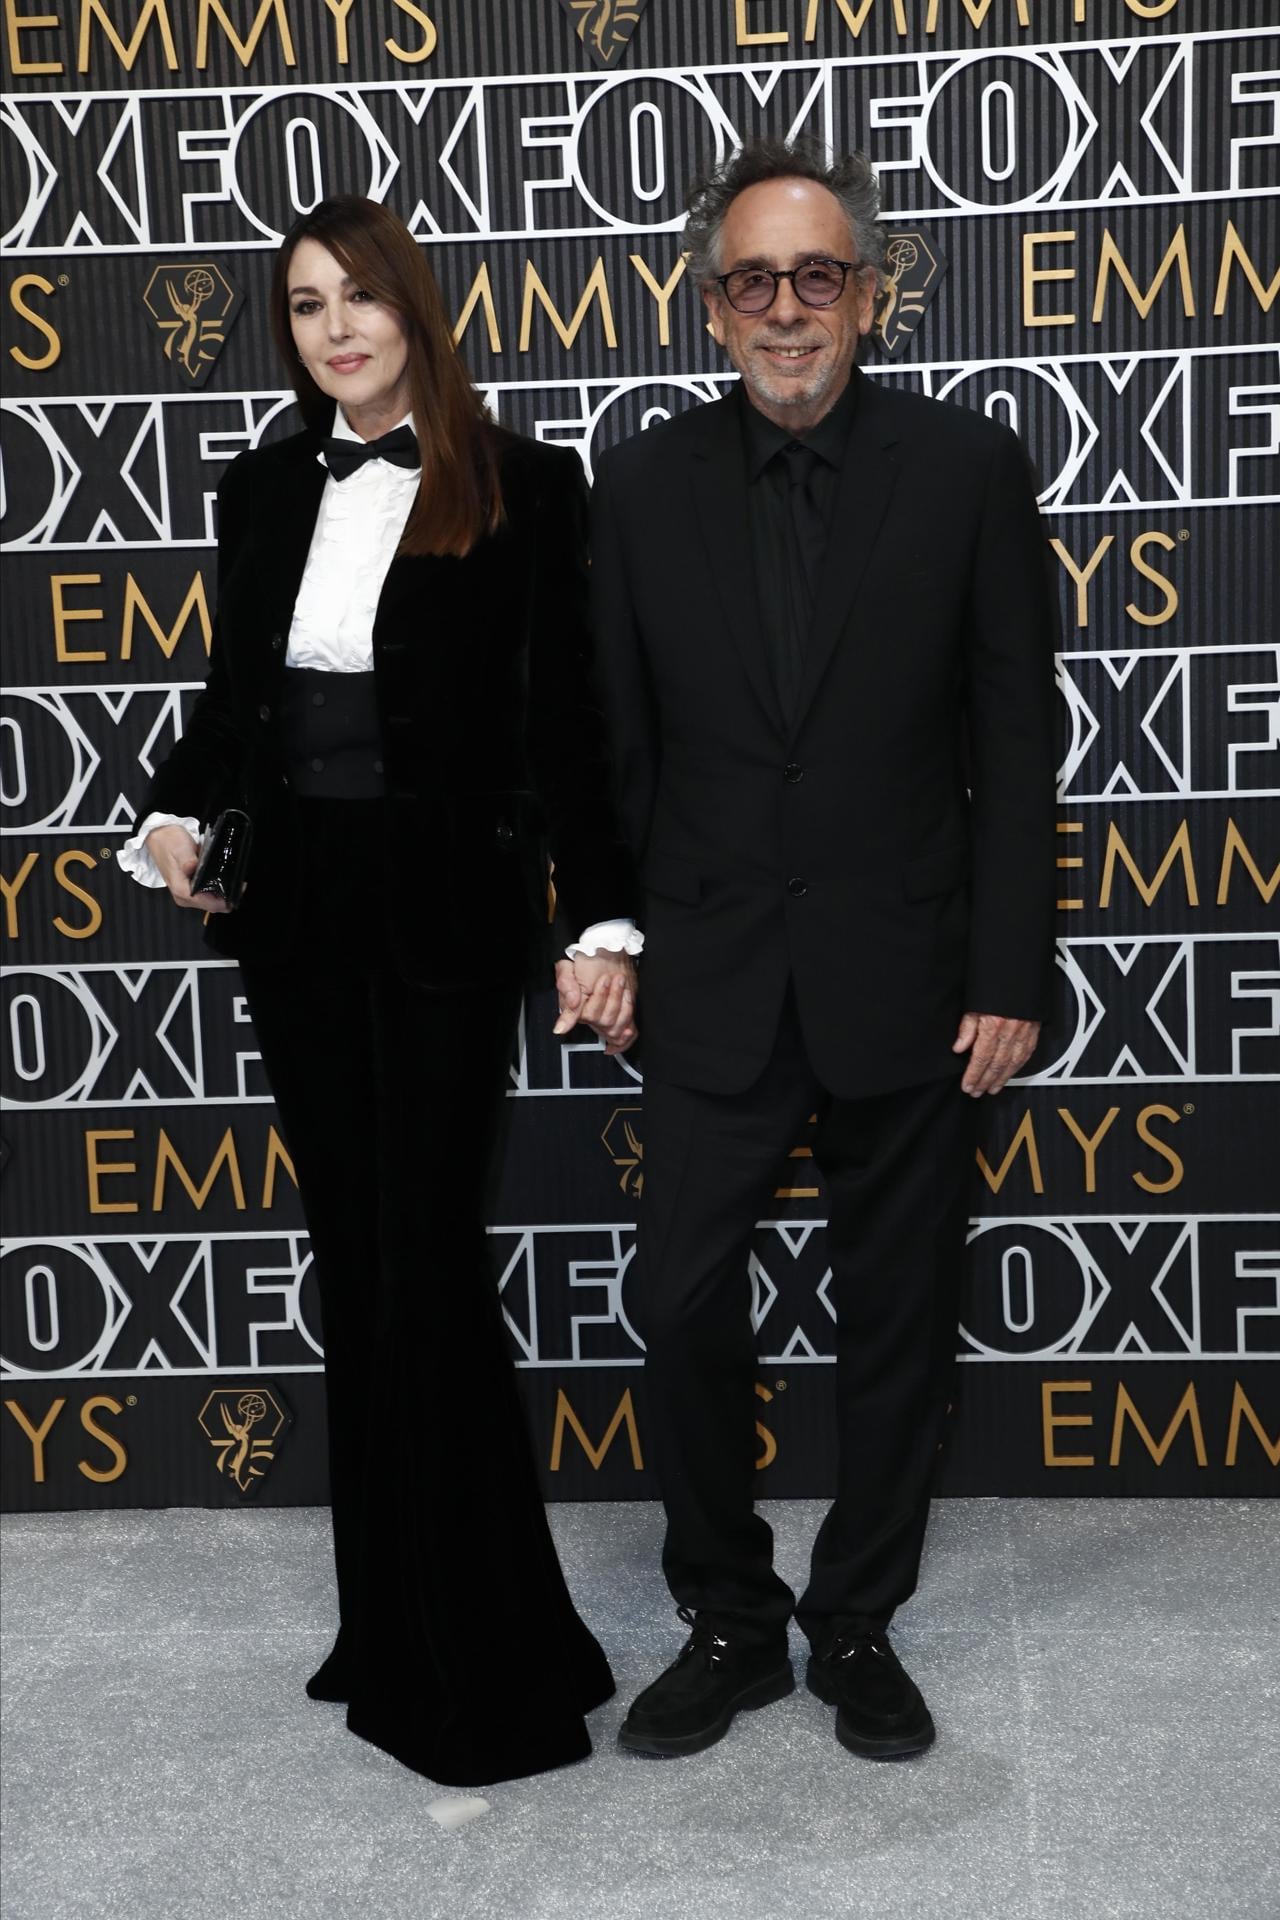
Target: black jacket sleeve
1011,631
203,772
629,702
594,872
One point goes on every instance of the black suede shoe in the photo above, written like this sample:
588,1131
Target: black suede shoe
692,1704
881,1712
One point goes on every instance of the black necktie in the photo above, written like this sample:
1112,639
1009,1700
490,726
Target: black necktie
345,457
807,539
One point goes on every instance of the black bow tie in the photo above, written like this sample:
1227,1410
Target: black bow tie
345,457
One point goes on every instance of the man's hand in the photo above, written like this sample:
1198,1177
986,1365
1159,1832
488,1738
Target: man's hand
176,854
599,990
1000,1048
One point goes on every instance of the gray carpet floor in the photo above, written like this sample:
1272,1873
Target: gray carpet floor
1105,1677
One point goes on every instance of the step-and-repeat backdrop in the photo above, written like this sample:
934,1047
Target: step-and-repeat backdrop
1081,196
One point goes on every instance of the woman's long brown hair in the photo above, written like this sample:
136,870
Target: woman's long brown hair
459,497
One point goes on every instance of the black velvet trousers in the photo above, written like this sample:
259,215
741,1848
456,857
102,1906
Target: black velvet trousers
459,1650
897,1169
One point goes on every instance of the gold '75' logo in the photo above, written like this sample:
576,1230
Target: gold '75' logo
193,304
914,267
604,26
243,1426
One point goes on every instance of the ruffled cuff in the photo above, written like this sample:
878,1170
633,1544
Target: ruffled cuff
607,936
133,857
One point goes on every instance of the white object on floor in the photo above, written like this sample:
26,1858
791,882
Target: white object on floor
457,1810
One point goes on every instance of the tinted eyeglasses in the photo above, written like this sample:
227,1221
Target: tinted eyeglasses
818,283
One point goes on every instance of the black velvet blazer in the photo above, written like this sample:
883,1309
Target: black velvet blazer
493,746
890,853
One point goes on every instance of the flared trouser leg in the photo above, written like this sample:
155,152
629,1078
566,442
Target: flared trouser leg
315,1030
463,1653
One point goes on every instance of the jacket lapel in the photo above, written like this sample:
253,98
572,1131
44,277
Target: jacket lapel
413,583
867,481
719,472
290,527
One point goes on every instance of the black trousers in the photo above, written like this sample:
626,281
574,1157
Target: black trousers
897,1170
459,1649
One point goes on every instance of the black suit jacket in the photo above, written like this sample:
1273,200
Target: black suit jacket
891,852
494,751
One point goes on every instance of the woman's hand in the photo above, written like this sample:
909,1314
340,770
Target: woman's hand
600,991
176,855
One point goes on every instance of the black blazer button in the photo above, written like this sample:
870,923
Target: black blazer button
264,712
317,699
378,767
792,773
797,888
504,832
317,765
277,641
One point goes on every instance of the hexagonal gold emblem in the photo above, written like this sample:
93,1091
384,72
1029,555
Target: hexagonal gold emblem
193,304
626,1149
914,266
604,26
243,1426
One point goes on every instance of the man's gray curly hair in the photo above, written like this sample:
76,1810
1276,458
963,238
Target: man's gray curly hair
849,178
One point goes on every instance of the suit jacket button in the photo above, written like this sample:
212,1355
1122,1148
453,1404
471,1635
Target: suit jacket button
504,832
378,767
277,641
792,773
797,888
317,765
317,699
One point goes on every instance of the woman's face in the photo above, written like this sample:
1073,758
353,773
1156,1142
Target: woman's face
353,347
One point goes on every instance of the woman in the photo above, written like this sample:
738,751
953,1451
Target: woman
397,697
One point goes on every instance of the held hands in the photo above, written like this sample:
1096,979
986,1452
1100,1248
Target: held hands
1000,1048
599,990
176,854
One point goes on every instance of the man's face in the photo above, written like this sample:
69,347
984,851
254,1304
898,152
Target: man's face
794,359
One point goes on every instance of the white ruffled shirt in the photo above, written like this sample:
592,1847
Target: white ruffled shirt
357,531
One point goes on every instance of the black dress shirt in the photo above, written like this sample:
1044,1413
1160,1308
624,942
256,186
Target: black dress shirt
791,492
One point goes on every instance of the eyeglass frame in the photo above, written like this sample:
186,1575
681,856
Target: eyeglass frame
789,273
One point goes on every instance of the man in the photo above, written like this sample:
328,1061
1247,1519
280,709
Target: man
826,630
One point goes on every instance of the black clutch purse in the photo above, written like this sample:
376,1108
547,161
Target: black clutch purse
224,857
